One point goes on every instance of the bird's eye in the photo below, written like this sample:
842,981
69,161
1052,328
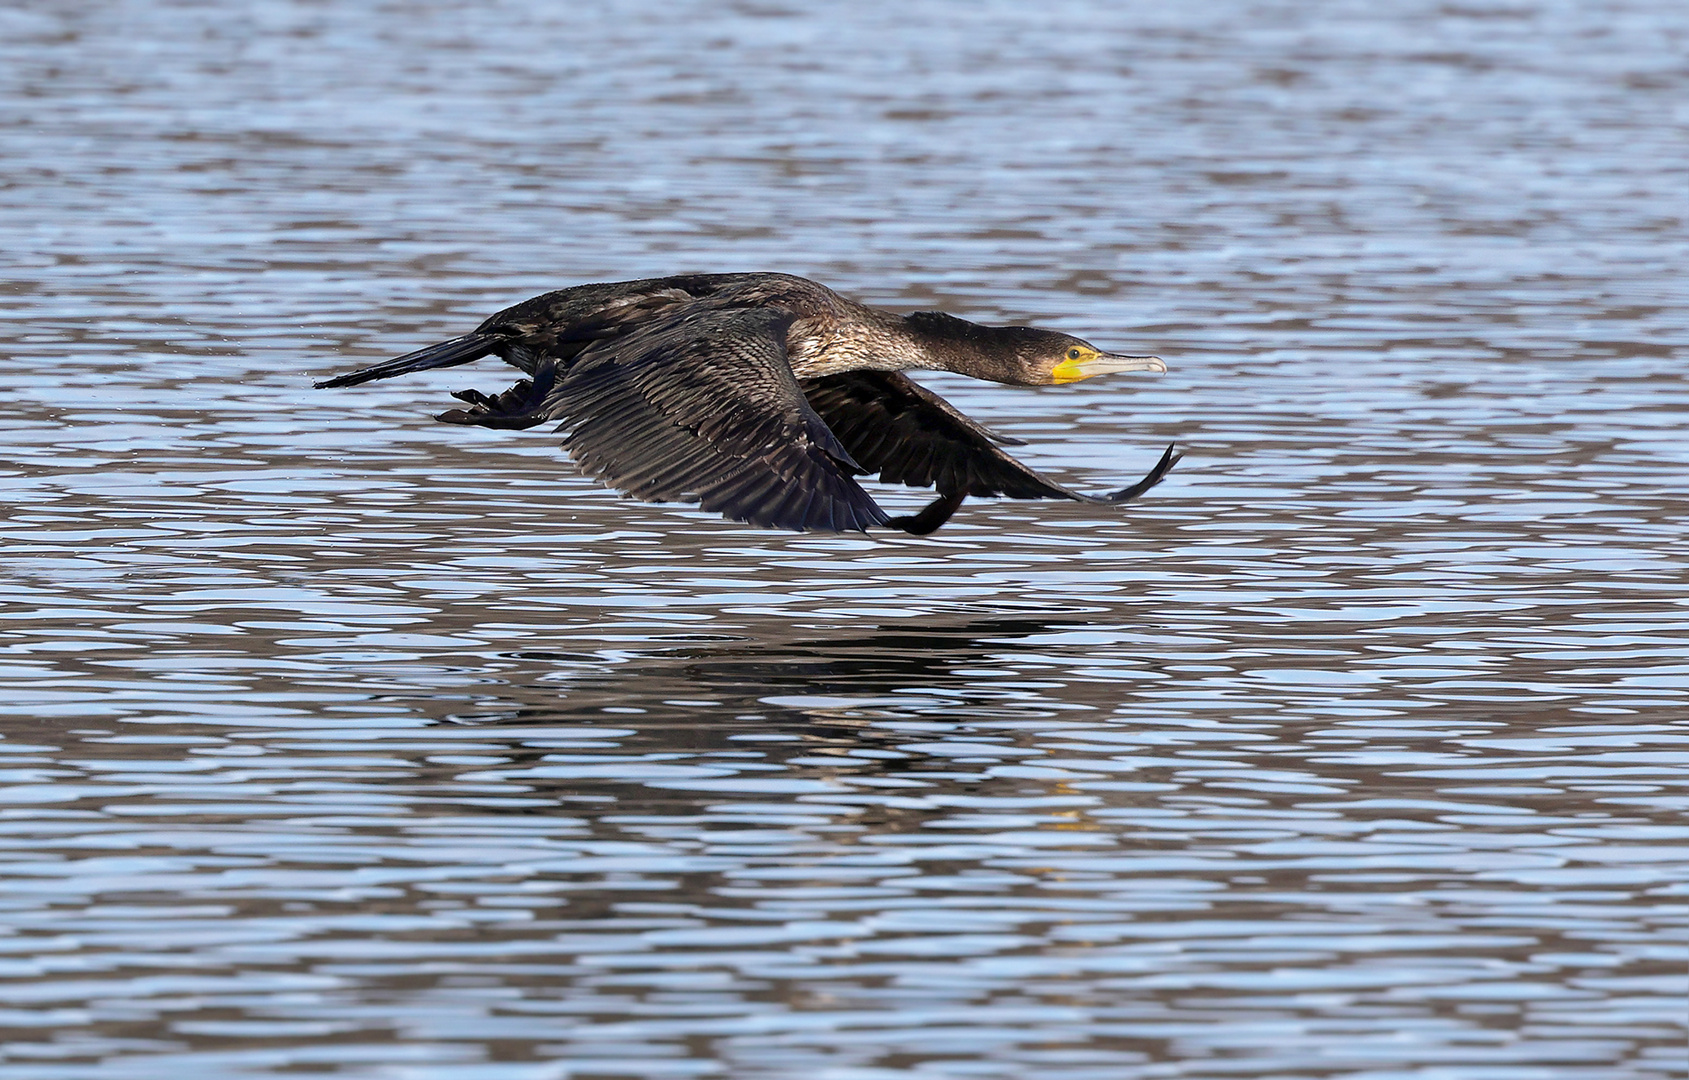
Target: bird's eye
1073,354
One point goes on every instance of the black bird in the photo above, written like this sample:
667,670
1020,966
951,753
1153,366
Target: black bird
762,396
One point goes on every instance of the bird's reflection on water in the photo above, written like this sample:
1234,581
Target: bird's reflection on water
742,676
782,698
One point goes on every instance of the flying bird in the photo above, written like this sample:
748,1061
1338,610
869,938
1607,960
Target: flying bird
763,396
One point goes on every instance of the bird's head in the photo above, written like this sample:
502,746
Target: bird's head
1048,358
1081,360
1019,355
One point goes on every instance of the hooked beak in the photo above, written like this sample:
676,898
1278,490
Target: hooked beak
1104,364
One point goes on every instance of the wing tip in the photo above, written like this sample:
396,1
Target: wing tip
1169,458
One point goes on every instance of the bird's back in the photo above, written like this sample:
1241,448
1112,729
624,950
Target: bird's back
605,309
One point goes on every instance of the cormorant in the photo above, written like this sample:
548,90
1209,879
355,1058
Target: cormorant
762,396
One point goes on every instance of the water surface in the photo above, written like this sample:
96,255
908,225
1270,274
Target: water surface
338,742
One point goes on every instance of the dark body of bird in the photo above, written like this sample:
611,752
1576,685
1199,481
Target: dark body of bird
763,396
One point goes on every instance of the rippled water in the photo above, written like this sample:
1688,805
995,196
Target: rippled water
340,742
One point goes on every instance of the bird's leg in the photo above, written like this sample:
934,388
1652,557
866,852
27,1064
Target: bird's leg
519,407
936,513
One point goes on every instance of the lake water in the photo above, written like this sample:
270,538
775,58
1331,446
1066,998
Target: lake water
340,742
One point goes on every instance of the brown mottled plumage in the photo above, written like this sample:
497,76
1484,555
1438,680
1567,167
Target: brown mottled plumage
762,396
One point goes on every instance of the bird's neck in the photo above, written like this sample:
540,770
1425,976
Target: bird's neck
882,341
945,343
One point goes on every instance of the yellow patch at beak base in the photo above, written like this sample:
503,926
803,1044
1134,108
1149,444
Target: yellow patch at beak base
1070,371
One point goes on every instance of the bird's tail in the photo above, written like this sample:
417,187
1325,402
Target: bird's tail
459,350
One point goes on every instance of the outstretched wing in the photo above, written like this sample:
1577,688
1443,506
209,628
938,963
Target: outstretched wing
910,435
703,407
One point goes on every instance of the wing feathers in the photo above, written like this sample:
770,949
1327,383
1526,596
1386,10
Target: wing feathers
909,435
704,408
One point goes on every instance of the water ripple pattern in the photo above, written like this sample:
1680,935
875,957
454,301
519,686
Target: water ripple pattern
341,743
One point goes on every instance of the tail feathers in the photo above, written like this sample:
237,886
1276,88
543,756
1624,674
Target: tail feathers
459,350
